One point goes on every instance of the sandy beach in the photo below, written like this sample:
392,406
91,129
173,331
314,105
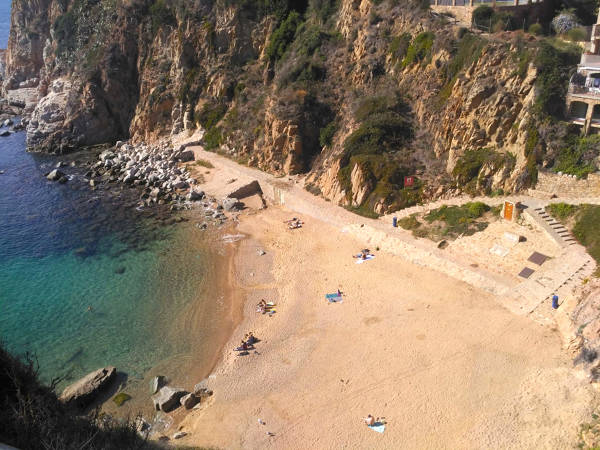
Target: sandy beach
444,363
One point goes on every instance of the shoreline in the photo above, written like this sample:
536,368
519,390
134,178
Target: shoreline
459,355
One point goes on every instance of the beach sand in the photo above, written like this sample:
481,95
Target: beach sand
445,363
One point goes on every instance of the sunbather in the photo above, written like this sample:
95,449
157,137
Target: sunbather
369,420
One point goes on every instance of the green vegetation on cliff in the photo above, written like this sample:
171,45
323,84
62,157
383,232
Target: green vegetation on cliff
31,416
583,221
376,148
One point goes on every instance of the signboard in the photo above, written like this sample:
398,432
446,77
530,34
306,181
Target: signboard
409,181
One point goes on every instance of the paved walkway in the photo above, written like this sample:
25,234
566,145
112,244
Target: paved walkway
522,298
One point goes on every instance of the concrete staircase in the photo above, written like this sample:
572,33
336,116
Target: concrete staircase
551,226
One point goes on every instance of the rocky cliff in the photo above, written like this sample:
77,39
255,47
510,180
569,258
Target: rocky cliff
356,94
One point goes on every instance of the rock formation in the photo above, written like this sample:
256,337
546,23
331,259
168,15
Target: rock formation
145,70
81,393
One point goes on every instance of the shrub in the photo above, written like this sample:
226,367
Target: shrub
384,128
409,223
469,164
420,49
212,138
577,34
161,15
283,36
482,16
554,62
561,211
535,29
564,21
327,132
577,157
454,215
586,230
32,417
65,29
211,113
399,46
204,163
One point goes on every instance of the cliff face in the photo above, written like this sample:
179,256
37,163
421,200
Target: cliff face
280,87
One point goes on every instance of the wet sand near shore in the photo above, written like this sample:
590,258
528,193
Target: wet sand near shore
200,329
444,363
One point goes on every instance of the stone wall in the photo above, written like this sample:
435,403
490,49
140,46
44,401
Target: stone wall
569,186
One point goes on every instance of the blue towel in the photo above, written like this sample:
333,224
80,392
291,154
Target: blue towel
334,295
378,426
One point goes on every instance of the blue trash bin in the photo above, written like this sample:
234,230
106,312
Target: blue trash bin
395,222
555,302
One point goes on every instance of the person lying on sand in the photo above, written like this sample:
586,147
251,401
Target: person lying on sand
293,219
369,420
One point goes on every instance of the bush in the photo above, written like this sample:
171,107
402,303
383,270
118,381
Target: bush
283,36
554,62
455,215
564,21
327,132
399,46
577,34
577,158
482,16
384,128
561,211
420,49
470,163
409,223
535,29
32,417
161,15
65,30
586,230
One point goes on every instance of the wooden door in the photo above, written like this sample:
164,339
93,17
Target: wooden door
508,210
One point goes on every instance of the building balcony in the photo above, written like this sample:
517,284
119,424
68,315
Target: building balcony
584,91
590,60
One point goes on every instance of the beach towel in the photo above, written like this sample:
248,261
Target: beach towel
369,257
377,426
334,295
335,300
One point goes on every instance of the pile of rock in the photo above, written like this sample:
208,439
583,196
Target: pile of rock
152,166
168,398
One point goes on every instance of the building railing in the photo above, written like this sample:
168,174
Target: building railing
584,90
497,3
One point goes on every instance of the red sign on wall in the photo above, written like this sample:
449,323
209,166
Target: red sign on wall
409,181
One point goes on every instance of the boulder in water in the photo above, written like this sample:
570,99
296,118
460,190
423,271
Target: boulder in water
55,175
5,133
83,391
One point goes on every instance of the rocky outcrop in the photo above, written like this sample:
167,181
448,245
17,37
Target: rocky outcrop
168,398
144,71
81,393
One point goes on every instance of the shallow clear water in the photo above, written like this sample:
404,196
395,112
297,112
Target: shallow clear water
64,248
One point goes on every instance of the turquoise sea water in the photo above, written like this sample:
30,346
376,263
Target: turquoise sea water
65,248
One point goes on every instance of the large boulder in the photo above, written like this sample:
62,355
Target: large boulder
85,390
195,196
232,204
186,156
167,398
188,401
156,383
